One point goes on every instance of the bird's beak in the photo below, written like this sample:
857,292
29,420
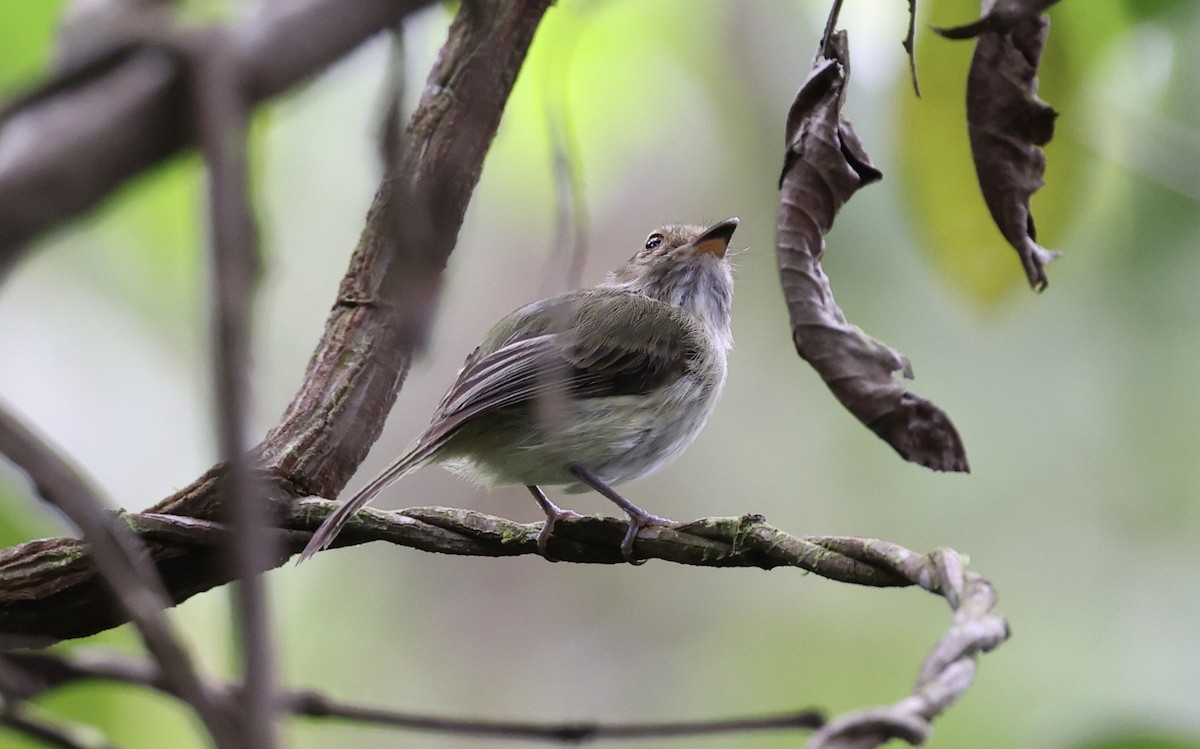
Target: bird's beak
715,239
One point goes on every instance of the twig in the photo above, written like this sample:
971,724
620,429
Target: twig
391,128
311,704
222,115
910,46
120,560
946,673
54,478
748,541
835,10
571,214
944,677
49,671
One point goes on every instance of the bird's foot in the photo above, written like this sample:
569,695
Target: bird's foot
638,518
637,521
554,513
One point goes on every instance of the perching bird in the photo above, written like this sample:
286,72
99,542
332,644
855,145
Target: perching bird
588,389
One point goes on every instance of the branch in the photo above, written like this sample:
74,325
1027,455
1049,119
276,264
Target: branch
715,542
747,541
946,673
222,118
43,672
120,563
376,324
125,110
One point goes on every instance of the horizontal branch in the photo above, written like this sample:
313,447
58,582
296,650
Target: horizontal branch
746,541
46,584
39,673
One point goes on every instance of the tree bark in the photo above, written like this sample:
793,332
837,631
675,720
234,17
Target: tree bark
50,588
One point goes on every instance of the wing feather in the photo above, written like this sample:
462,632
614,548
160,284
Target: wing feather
590,343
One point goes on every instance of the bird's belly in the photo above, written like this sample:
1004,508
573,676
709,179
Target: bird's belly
617,438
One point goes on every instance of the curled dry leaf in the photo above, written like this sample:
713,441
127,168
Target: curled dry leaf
824,166
1007,122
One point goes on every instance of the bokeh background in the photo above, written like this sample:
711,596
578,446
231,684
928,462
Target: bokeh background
1078,406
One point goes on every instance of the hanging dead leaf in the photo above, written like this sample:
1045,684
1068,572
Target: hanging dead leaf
825,165
1007,122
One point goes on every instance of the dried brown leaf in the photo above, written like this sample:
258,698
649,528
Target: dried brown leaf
825,164
1007,122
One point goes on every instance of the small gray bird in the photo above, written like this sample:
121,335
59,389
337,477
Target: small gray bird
587,389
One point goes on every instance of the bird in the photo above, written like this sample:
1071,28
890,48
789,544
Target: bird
588,389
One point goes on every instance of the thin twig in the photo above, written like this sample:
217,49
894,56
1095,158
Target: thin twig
946,673
835,10
312,704
748,541
50,671
391,128
910,46
222,113
571,215
120,560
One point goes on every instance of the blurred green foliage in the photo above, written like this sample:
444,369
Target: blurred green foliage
1144,741
28,34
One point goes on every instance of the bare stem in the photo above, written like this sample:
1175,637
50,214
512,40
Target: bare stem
222,112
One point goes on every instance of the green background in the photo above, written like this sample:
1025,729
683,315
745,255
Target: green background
1078,407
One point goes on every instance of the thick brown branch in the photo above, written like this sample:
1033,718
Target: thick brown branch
132,112
357,369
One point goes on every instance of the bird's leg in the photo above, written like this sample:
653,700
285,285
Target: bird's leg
638,518
554,513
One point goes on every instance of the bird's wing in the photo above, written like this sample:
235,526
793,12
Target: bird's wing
586,344
583,344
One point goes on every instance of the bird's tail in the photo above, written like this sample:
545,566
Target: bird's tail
404,465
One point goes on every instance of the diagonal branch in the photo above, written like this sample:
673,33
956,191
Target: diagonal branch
374,329
128,112
117,557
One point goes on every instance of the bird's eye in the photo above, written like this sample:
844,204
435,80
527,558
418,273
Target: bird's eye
654,240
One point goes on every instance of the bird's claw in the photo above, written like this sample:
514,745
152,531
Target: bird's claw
552,518
636,523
